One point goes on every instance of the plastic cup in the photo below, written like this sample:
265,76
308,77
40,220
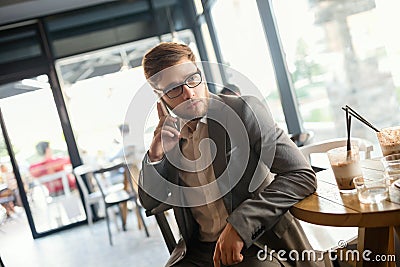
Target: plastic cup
371,191
389,140
391,164
345,165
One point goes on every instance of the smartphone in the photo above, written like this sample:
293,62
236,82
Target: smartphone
164,107
165,111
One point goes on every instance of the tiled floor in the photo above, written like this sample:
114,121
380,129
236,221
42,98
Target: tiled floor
82,246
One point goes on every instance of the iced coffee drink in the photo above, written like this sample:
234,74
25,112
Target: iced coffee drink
345,165
389,140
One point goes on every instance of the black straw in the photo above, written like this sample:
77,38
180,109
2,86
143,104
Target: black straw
353,113
348,124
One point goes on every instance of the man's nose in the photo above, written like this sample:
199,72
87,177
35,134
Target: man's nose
188,92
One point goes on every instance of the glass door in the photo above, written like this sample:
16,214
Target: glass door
38,143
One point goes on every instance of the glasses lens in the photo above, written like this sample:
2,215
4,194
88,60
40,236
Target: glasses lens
194,80
174,92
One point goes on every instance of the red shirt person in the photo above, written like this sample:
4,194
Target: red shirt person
49,165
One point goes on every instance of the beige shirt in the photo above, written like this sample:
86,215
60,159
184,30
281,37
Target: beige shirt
212,216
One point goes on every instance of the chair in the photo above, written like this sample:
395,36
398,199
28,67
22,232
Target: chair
90,198
109,195
323,238
7,198
159,213
302,139
323,146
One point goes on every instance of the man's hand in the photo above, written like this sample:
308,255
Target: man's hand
166,136
228,247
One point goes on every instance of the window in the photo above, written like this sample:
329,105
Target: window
338,53
244,48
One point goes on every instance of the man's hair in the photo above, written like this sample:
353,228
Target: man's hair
123,128
41,147
165,55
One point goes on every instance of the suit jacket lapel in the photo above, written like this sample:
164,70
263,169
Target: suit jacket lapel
217,133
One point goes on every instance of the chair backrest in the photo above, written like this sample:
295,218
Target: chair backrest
159,213
323,146
79,172
105,175
302,139
324,238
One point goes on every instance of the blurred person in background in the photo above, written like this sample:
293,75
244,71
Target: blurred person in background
9,195
51,164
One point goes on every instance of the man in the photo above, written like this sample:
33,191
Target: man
229,210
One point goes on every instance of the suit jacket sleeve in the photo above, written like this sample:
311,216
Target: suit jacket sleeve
152,185
294,179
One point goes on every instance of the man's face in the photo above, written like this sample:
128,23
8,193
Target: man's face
192,102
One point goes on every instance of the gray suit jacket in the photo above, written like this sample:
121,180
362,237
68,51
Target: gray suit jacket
275,177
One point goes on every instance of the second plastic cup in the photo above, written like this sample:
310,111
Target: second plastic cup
392,174
371,191
345,165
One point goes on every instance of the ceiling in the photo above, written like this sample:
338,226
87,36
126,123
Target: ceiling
18,10
98,61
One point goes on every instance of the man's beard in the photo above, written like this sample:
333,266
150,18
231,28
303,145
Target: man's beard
192,109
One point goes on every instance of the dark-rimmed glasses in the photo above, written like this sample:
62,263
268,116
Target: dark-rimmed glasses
192,81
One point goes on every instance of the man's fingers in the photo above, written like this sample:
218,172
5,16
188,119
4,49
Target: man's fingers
229,245
236,256
160,124
160,110
170,132
229,257
217,256
164,122
171,121
167,120
226,257
171,129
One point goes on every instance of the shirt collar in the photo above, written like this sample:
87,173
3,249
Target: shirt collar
182,122
185,130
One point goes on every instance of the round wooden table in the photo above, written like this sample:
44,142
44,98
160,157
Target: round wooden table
376,223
